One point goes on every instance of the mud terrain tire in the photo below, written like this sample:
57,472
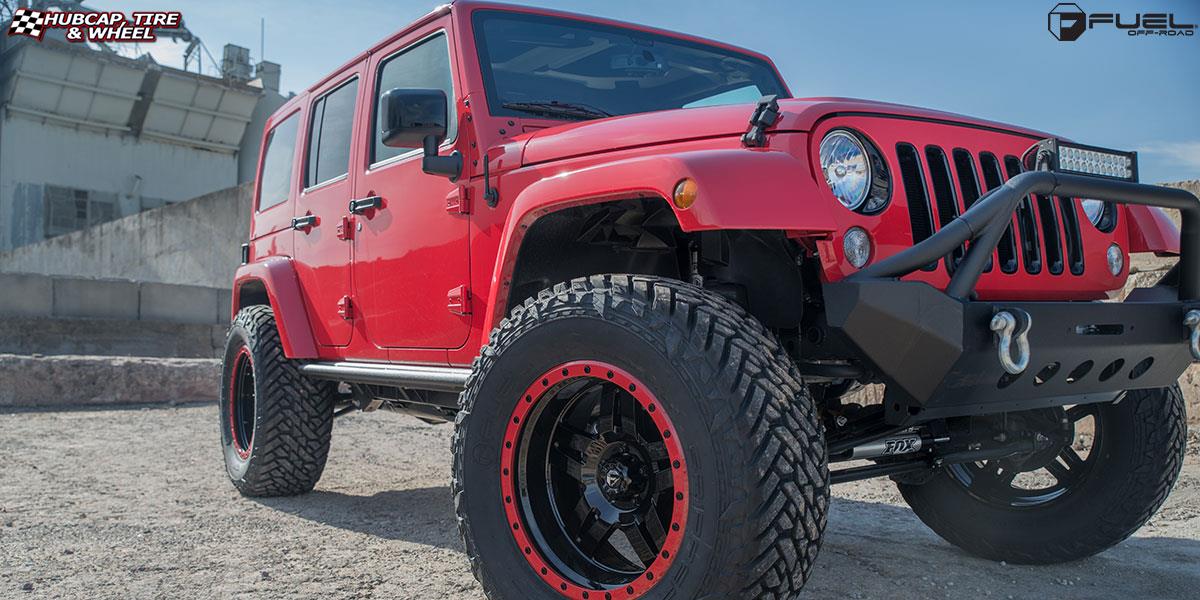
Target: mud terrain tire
755,454
276,424
1142,447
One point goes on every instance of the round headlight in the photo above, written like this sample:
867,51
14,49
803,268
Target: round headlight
846,167
857,245
1094,209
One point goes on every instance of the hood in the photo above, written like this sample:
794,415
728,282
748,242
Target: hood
647,129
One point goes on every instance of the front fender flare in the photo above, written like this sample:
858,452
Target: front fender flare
739,189
278,275
1151,230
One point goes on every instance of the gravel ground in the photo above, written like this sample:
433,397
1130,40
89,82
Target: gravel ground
135,504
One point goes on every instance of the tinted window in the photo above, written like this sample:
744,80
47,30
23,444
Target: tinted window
532,63
329,138
275,183
425,66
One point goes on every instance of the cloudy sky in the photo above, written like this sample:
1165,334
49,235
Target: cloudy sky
989,59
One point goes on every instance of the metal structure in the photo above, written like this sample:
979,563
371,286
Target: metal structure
89,134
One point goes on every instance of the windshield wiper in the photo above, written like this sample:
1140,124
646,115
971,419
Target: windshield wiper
559,109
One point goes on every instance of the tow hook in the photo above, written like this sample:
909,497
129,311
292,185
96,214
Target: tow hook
1013,324
1192,320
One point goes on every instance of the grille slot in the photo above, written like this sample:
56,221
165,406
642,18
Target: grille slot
1031,253
913,179
968,184
1049,217
943,192
1007,248
1072,237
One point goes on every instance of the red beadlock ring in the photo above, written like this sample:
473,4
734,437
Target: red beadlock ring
509,469
243,358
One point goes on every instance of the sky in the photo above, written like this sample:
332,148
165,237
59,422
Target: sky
994,60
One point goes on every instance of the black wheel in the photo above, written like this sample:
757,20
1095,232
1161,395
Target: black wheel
1111,470
635,437
275,423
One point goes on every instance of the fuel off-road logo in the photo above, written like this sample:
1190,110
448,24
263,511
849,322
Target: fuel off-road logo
1068,22
86,26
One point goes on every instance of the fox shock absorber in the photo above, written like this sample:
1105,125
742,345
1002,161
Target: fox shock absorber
908,442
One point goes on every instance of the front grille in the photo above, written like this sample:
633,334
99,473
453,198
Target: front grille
1043,223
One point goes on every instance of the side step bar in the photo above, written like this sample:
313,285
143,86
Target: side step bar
436,379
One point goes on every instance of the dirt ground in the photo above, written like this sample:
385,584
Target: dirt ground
134,503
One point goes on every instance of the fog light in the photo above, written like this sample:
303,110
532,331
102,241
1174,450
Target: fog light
685,193
1116,260
857,245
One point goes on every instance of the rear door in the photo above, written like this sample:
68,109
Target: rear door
411,255
323,247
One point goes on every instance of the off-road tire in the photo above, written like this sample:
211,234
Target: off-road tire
293,415
1146,433
755,451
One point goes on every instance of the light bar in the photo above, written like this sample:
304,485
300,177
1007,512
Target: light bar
1069,157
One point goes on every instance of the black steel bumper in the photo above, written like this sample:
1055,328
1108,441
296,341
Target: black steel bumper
938,355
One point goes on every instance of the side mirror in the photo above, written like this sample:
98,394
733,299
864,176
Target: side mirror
417,117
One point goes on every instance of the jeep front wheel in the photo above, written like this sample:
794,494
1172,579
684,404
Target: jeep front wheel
633,437
275,422
1109,474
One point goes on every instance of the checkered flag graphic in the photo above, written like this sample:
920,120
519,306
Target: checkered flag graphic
27,22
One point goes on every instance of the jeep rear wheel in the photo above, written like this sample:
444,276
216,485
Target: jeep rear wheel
1082,497
276,424
635,437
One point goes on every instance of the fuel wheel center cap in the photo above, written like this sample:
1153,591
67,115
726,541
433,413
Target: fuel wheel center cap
623,478
616,480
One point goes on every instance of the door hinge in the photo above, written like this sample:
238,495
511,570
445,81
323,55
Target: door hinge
346,308
345,229
458,301
458,202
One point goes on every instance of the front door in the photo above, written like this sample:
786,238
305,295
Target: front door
411,252
323,247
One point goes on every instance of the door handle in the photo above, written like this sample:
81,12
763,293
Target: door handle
305,223
363,205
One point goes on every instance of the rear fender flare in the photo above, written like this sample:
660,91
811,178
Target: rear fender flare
739,189
278,275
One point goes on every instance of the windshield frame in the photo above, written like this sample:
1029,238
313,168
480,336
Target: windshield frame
495,103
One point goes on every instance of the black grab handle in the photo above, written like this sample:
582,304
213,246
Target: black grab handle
362,205
305,223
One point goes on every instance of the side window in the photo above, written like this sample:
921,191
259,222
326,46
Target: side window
276,179
425,66
329,136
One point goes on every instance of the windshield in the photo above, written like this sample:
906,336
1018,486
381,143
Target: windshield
566,69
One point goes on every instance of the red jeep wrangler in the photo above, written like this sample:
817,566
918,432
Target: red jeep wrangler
643,280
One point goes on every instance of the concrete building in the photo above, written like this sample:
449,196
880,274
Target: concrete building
88,136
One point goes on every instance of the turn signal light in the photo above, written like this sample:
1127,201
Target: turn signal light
685,193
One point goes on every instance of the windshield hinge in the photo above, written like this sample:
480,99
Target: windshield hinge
490,194
765,115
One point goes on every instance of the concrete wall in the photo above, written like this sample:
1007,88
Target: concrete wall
47,315
40,296
197,242
30,336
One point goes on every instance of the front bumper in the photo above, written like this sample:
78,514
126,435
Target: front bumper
940,358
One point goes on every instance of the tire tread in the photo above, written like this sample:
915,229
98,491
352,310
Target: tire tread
773,522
